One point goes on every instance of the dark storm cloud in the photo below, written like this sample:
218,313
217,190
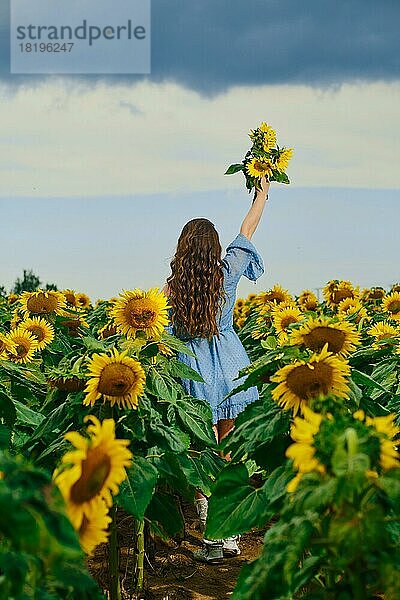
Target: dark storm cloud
211,45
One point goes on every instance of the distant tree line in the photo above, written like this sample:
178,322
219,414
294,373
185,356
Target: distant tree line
29,282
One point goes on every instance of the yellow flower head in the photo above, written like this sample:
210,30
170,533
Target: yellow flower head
302,452
341,337
70,297
322,375
283,317
94,531
24,345
108,330
118,379
276,295
308,300
82,300
336,291
283,161
264,133
381,332
7,346
42,331
258,167
137,310
387,431
42,302
93,471
373,294
391,305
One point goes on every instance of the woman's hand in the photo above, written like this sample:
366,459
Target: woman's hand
262,188
264,185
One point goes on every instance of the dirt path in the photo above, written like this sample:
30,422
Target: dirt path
171,573
176,576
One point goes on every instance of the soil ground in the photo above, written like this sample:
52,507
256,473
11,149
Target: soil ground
171,573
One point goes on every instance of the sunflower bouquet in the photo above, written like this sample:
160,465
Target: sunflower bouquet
265,158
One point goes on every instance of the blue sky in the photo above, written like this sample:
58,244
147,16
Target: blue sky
98,174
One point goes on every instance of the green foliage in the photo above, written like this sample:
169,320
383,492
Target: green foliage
40,555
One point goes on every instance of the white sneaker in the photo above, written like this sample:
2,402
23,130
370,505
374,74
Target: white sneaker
211,553
202,509
230,546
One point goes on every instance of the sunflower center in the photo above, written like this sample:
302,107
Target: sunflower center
376,294
339,295
21,349
116,379
38,332
70,298
318,337
42,304
2,345
273,297
394,307
139,314
286,321
308,383
95,470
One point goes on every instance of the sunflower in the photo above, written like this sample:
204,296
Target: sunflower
386,430
118,378
82,300
322,375
258,167
335,291
74,322
391,305
283,317
307,300
15,319
276,295
240,322
381,332
70,297
137,310
42,331
264,133
350,307
341,337
42,302
6,346
93,471
283,160
374,293
24,345
395,287
302,452
12,298
108,330
94,531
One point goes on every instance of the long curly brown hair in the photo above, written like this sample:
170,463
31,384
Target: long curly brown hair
195,286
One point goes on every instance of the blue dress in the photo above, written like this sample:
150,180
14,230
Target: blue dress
219,360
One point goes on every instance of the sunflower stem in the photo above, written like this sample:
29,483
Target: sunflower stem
115,588
140,555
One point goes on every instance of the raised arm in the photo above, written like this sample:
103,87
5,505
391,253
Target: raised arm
253,217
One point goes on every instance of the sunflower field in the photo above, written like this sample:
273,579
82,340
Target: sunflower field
96,428
94,421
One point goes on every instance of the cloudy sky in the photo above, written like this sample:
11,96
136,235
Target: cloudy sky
99,173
